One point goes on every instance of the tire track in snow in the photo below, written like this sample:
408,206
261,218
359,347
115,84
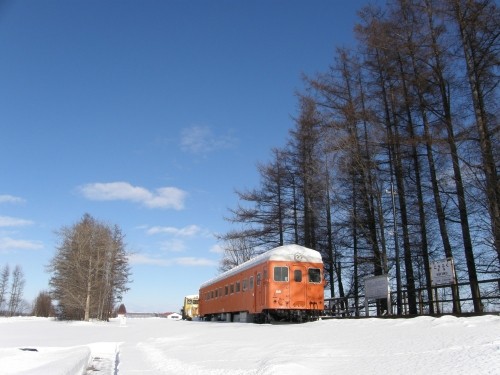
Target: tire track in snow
104,358
173,366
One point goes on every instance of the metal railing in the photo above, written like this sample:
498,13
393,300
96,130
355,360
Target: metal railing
442,300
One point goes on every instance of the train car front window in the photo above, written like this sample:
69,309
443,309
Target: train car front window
314,275
280,273
297,276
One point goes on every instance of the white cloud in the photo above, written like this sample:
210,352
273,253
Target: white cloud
145,259
7,243
5,198
191,261
174,245
217,249
165,197
185,261
7,221
201,139
188,231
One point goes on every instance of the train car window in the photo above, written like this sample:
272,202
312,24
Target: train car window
280,273
220,292
216,293
297,276
258,279
237,286
231,288
227,290
245,284
212,294
251,282
314,275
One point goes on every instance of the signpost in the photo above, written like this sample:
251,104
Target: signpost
377,287
443,272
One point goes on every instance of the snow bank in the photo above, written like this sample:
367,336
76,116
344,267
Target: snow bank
45,361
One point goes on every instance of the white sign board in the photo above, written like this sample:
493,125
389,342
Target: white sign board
377,287
442,272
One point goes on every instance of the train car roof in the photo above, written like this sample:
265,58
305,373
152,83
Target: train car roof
290,253
192,296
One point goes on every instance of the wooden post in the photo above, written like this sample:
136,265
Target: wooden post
420,302
438,309
405,303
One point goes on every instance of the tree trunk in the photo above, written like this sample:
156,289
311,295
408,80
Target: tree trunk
89,291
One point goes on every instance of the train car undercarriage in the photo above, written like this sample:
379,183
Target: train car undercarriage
267,316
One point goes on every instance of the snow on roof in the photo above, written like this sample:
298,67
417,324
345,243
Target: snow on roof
287,253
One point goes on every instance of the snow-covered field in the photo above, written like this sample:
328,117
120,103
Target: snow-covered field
423,345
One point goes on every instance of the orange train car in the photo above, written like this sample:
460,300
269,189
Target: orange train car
282,284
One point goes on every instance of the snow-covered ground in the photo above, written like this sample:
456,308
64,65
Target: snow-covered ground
423,345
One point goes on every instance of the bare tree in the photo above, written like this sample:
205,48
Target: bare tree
236,252
89,270
307,163
263,211
350,137
4,284
16,291
43,305
478,23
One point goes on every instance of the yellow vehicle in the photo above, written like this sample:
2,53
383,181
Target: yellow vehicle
190,307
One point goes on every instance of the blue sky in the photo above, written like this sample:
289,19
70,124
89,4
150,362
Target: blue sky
148,115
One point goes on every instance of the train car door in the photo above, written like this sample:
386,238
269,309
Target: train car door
298,286
260,294
253,289
264,288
